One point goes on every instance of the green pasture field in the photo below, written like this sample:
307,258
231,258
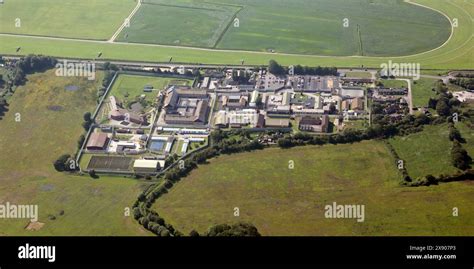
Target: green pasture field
391,83
175,24
87,19
309,27
454,55
281,201
300,26
356,74
422,91
427,152
132,85
50,126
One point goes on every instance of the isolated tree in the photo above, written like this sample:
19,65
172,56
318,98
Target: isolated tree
239,230
193,233
275,68
61,164
87,116
454,134
86,125
285,143
92,173
81,140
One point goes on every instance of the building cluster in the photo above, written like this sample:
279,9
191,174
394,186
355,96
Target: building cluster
183,116
307,102
184,106
123,116
392,102
132,142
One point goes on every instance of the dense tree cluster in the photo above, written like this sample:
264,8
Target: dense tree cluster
241,77
432,180
3,105
29,65
381,129
454,134
279,70
109,73
276,69
65,163
153,222
444,104
88,121
238,229
465,82
460,157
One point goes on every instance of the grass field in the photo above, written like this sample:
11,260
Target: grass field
391,83
456,54
359,74
299,26
427,152
198,25
27,176
468,134
280,201
316,27
422,90
132,86
128,88
89,19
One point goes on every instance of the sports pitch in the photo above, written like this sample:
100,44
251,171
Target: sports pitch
106,163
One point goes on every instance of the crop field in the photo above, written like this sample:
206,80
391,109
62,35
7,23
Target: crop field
88,19
272,196
426,152
454,54
50,126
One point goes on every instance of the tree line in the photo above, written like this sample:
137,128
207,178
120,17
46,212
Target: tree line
276,69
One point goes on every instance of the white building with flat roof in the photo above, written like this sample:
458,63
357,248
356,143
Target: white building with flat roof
146,166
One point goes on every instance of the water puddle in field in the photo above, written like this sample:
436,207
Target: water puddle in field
55,108
72,88
47,187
